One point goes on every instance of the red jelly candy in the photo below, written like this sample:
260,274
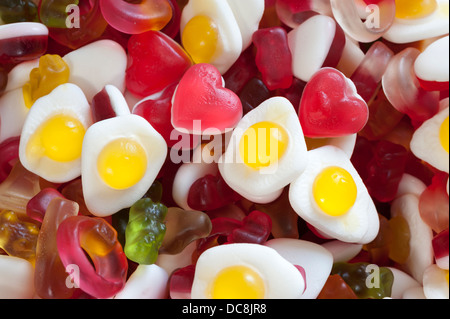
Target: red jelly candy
433,204
156,62
37,205
331,107
9,153
274,58
201,97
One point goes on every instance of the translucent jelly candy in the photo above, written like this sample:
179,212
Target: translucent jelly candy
18,235
3,79
78,235
138,17
440,249
331,107
378,19
22,41
366,281
50,273
209,103
293,12
182,228
9,153
69,26
209,193
12,11
108,103
433,204
317,42
37,205
336,288
253,94
403,90
156,62
273,57
52,71
241,72
145,231
386,170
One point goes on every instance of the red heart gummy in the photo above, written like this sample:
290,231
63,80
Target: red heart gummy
331,107
201,96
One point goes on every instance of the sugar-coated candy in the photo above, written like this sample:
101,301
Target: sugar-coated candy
18,235
18,188
146,282
16,278
431,68
336,288
331,106
156,62
79,234
145,231
378,19
201,98
22,41
18,11
69,26
358,277
182,228
52,72
403,90
138,17
317,42
9,153
274,57
50,273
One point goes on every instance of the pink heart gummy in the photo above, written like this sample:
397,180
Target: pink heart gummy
331,107
202,103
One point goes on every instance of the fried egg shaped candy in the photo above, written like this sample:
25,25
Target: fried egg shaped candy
267,151
331,196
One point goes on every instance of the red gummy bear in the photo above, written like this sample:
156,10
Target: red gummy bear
331,107
156,62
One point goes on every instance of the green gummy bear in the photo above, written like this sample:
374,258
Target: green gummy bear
368,281
145,231
12,11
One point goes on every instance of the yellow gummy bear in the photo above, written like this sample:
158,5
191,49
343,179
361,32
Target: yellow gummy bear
52,72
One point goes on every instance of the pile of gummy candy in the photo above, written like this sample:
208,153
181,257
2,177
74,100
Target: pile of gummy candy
229,149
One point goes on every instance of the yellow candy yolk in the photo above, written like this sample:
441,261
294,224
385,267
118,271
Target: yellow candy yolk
414,9
52,72
334,191
443,135
60,138
263,144
238,282
122,163
199,39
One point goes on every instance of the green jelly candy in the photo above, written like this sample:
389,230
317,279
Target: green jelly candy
368,281
145,231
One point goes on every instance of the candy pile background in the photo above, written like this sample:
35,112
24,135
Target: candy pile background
278,149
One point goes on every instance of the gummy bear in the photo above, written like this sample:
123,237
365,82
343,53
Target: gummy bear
12,11
145,231
18,235
50,274
156,62
241,72
183,227
366,280
137,17
181,282
52,72
274,58
72,23
104,273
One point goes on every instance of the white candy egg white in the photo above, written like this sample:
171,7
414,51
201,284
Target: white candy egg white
229,46
313,258
16,278
433,63
420,243
435,283
426,143
66,99
346,143
359,225
434,25
402,283
281,278
266,184
102,200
